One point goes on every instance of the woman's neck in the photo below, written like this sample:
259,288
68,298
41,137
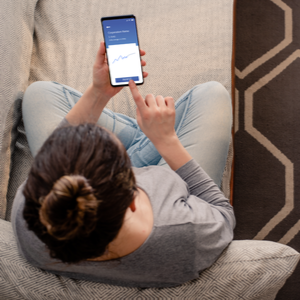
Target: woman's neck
136,228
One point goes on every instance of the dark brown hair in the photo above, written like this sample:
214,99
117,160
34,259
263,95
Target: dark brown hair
78,190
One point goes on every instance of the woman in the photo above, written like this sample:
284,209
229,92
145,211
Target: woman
125,202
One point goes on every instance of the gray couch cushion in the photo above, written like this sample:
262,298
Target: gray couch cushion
16,36
245,270
187,43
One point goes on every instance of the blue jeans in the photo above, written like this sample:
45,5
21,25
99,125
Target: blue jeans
203,124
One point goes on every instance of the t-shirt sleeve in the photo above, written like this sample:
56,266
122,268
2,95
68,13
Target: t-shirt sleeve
203,187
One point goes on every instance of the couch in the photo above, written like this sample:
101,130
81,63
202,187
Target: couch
187,43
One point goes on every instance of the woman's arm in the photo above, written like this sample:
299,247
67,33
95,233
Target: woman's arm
156,118
90,106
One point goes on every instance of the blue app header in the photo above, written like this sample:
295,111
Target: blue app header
120,31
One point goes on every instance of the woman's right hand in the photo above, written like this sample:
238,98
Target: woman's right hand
155,116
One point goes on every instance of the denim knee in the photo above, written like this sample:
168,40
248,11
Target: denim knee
214,94
214,88
39,86
32,95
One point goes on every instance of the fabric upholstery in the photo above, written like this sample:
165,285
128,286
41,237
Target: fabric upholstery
16,36
245,270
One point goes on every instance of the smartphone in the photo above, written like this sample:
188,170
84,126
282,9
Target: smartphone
122,50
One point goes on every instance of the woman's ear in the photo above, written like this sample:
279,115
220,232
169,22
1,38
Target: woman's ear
132,206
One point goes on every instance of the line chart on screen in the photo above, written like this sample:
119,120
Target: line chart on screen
122,57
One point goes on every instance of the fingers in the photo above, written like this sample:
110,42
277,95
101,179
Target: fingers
167,102
145,74
150,100
142,52
138,116
160,101
100,58
170,102
143,63
137,96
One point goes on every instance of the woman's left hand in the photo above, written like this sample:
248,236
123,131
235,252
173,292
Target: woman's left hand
90,106
101,81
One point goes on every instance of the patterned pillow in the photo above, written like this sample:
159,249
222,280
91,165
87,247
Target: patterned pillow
245,270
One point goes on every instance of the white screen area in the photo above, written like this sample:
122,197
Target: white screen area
124,63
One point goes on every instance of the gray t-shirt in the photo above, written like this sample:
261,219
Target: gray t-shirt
193,224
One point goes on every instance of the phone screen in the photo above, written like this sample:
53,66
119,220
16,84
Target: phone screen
122,50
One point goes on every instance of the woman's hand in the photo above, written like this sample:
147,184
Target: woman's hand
101,81
90,106
156,118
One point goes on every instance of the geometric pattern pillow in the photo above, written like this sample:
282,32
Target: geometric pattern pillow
248,270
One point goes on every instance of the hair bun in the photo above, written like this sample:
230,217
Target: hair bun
70,209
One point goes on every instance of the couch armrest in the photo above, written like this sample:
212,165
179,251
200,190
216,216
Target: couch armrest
16,36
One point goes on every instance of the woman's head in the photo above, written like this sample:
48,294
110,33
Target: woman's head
78,190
